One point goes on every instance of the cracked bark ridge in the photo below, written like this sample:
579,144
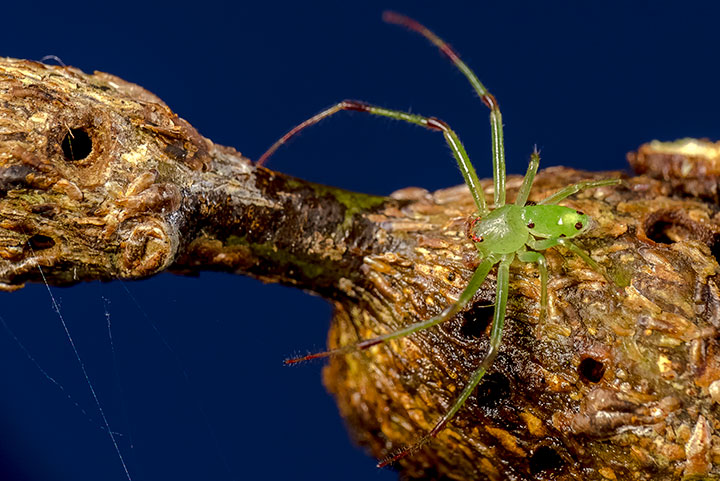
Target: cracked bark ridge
101,180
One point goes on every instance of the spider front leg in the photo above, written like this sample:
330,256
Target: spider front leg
501,295
575,188
496,127
461,156
542,244
572,247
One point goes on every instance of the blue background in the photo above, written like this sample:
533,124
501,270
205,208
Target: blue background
586,83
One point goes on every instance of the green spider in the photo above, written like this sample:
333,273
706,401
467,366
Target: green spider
500,235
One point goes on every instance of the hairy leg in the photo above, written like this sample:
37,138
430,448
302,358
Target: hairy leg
461,156
524,191
575,188
496,127
503,282
466,296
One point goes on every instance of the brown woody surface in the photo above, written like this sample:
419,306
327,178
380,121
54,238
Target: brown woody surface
611,385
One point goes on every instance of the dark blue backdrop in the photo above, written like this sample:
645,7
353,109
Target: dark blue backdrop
586,83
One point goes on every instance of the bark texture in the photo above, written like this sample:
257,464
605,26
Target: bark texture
101,180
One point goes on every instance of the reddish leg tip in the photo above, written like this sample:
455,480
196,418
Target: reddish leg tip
309,357
393,459
392,17
399,19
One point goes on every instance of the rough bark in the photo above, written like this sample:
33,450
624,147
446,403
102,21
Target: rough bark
610,385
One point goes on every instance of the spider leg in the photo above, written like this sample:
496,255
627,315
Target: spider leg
572,189
465,296
295,130
496,128
524,191
569,245
542,244
503,281
463,160
539,259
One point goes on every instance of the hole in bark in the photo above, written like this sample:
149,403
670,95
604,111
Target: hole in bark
76,145
591,370
39,242
670,226
658,232
715,249
494,389
545,459
476,321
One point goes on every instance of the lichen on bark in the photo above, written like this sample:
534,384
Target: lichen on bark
609,385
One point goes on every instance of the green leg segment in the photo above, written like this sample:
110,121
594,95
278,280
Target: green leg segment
569,245
524,191
496,127
572,189
503,282
461,156
498,153
543,244
465,296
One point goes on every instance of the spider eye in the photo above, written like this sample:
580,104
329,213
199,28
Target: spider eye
578,225
531,225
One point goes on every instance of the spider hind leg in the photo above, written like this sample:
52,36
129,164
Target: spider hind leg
503,282
465,297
